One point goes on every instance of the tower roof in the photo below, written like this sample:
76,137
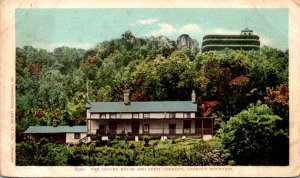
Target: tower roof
247,30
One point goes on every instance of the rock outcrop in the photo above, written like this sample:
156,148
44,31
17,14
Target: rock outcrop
185,41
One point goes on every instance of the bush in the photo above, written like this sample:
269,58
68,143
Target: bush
41,153
207,154
251,134
146,139
135,153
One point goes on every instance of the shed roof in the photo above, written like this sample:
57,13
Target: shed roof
58,129
151,106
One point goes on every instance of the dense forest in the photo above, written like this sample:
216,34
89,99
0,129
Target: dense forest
246,91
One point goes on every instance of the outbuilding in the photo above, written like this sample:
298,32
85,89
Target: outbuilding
62,134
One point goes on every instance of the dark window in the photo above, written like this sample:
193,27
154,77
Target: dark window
172,129
198,126
112,127
207,123
76,135
187,124
198,123
101,129
135,125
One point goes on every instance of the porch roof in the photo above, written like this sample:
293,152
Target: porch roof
58,129
151,106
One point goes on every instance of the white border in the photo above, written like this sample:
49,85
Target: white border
7,94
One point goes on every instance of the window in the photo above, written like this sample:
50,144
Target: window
102,116
76,135
172,115
198,123
146,115
186,126
146,128
112,116
112,127
198,126
101,129
172,129
186,115
135,115
207,123
135,125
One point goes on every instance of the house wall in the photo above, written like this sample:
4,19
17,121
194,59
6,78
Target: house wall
70,137
88,114
59,137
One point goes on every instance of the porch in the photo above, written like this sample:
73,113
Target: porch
99,129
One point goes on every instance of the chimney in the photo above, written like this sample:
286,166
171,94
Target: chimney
54,123
193,97
126,97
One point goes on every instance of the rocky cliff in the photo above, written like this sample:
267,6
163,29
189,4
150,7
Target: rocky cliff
185,41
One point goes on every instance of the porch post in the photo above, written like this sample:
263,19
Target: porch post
143,127
163,120
163,126
124,126
202,125
90,126
212,126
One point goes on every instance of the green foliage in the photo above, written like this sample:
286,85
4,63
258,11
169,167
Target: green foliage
150,68
164,153
250,135
146,139
191,152
52,85
41,153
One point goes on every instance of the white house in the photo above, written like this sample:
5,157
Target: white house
62,134
158,119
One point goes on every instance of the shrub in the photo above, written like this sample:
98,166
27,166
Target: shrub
250,135
146,139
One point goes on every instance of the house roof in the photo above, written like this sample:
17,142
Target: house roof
58,129
152,106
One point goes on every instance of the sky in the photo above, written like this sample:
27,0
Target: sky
84,28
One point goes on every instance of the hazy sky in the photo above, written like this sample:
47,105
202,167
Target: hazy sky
84,28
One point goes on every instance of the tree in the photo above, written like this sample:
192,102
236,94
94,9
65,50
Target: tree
75,109
250,136
279,100
128,39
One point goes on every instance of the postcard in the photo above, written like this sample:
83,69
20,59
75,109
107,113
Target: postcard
150,88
